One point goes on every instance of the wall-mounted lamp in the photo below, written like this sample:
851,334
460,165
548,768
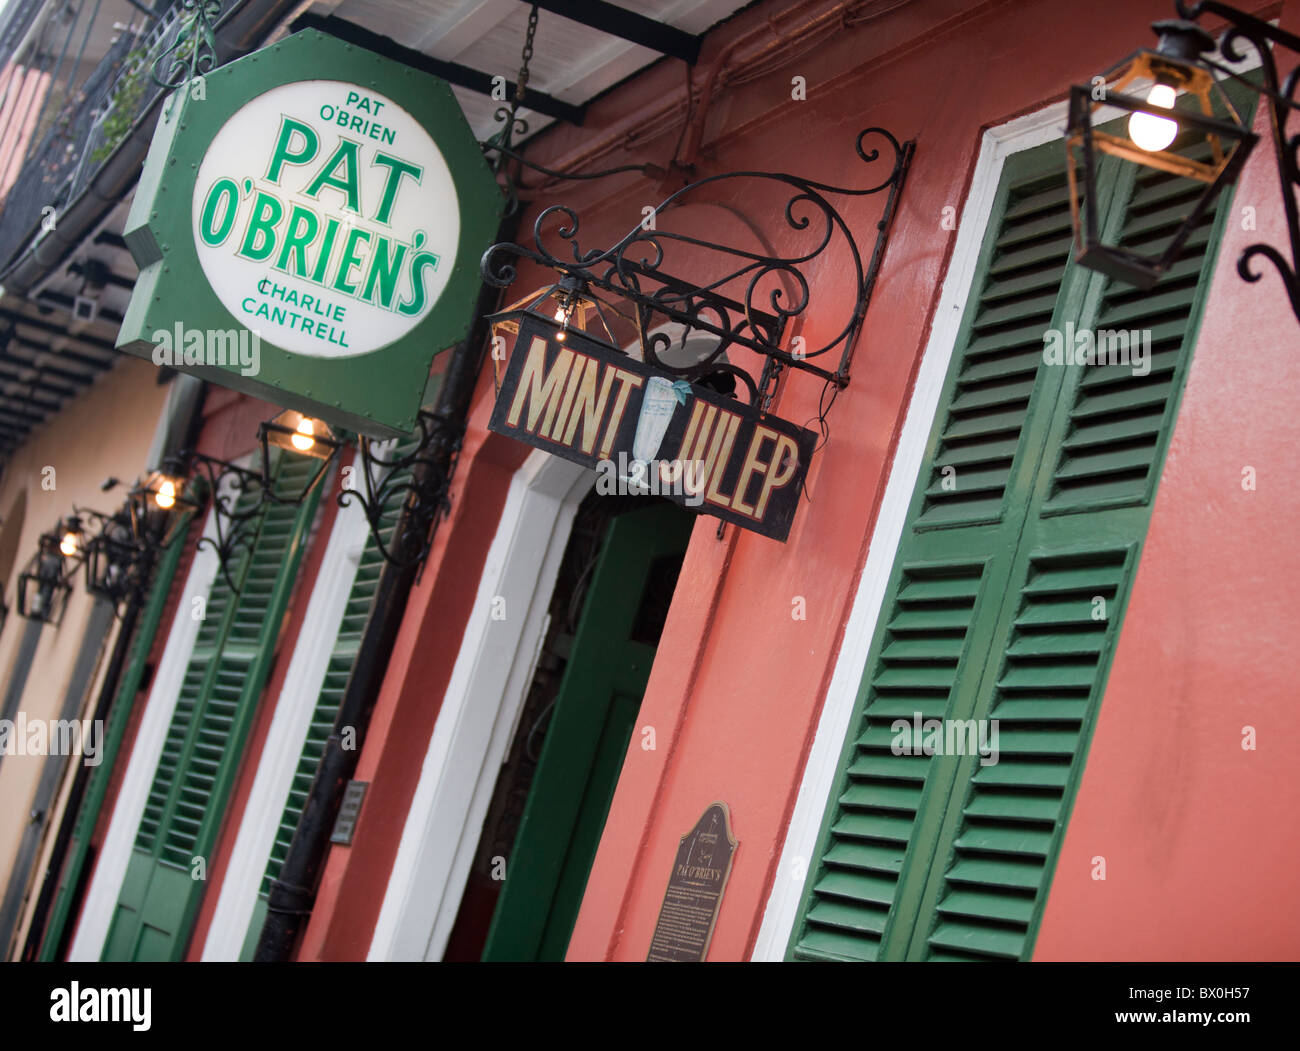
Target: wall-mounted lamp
163,490
43,586
117,558
156,500
73,537
1184,123
303,436
571,305
1202,138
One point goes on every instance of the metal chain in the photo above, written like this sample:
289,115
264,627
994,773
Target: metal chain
521,83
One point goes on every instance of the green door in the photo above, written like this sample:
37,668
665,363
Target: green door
591,725
223,681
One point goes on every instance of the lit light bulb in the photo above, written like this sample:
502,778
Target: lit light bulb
562,315
166,495
303,440
68,545
1150,132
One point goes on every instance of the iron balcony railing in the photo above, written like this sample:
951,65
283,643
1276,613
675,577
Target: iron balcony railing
72,142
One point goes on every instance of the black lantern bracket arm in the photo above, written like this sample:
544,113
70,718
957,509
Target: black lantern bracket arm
409,484
776,287
228,485
1260,34
1286,148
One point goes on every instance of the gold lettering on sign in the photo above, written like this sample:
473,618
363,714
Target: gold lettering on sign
575,377
755,465
627,383
539,388
786,454
588,408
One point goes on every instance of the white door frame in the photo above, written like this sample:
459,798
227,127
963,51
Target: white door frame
482,704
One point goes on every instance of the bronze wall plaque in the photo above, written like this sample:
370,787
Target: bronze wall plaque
349,811
694,894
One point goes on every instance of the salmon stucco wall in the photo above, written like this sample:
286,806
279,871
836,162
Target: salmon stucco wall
739,682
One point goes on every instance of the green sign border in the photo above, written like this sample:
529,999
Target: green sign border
377,393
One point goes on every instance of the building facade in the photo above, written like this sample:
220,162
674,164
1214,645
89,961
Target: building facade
1017,685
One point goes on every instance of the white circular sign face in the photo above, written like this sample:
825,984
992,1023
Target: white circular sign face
325,219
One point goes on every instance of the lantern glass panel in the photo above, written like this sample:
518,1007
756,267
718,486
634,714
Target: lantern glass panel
297,433
1194,135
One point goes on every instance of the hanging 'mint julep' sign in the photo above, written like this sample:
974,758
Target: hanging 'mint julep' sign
308,229
647,432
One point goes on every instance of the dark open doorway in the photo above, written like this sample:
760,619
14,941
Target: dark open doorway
554,790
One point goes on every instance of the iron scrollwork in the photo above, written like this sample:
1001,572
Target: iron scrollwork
770,289
1281,95
238,497
412,483
194,51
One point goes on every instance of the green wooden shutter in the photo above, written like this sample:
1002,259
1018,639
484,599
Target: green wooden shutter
1005,562
1086,520
951,565
219,692
165,580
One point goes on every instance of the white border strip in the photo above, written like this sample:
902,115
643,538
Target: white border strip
287,733
476,721
101,899
819,775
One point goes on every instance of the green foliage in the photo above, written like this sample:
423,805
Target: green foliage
136,77
131,87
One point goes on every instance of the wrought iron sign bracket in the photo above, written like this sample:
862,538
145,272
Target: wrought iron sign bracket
773,289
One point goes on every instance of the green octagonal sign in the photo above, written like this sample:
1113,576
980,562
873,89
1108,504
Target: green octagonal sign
308,227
